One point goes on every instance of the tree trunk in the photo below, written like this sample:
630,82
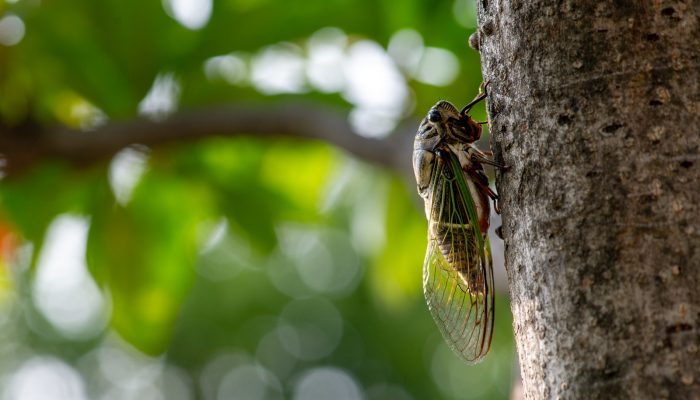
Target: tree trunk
596,108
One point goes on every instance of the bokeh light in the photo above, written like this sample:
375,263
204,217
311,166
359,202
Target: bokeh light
279,69
249,381
126,170
192,14
326,49
44,378
310,329
327,383
11,30
63,290
232,68
161,100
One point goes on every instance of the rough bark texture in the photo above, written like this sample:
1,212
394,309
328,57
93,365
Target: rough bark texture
596,106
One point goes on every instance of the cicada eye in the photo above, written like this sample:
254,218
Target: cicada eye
434,116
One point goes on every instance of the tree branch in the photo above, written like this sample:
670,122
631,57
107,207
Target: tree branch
29,144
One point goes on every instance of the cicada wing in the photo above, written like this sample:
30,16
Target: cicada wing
464,315
457,272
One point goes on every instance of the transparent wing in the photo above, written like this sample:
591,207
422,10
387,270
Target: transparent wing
457,272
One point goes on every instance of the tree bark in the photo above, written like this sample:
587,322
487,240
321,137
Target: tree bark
596,108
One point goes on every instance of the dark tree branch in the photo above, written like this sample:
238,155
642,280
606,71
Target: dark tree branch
28,144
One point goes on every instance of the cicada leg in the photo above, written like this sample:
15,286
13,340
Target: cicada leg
481,158
483,86
482,95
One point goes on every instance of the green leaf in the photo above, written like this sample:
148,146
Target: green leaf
144,255
33,201
396,275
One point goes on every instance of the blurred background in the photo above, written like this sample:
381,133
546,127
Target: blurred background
279,262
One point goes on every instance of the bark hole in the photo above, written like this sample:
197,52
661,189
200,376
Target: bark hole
668,11
488,28
651,37
612,127
677,328
564,119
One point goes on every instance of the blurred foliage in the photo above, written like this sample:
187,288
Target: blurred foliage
231,267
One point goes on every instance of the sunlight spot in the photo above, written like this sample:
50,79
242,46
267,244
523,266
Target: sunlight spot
323,259
89,116
175,383
224,254
272,354
250,381
406,48
368,223
327,383
213,234
63,290
130,374
374,83
279,69
326,57
214,371
372,122
161,100
118,365
125,171
339,184
284,278
192,14
438,67
373,78
350,187
73,110
45,378
226,259
11,30
231,68
310,329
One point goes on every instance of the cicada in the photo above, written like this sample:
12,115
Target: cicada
457,271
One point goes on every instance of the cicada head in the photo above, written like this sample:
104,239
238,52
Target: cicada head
444,123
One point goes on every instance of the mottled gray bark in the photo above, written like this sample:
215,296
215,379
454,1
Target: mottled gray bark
596,106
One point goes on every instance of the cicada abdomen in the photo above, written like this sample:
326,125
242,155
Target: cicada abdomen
457,272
